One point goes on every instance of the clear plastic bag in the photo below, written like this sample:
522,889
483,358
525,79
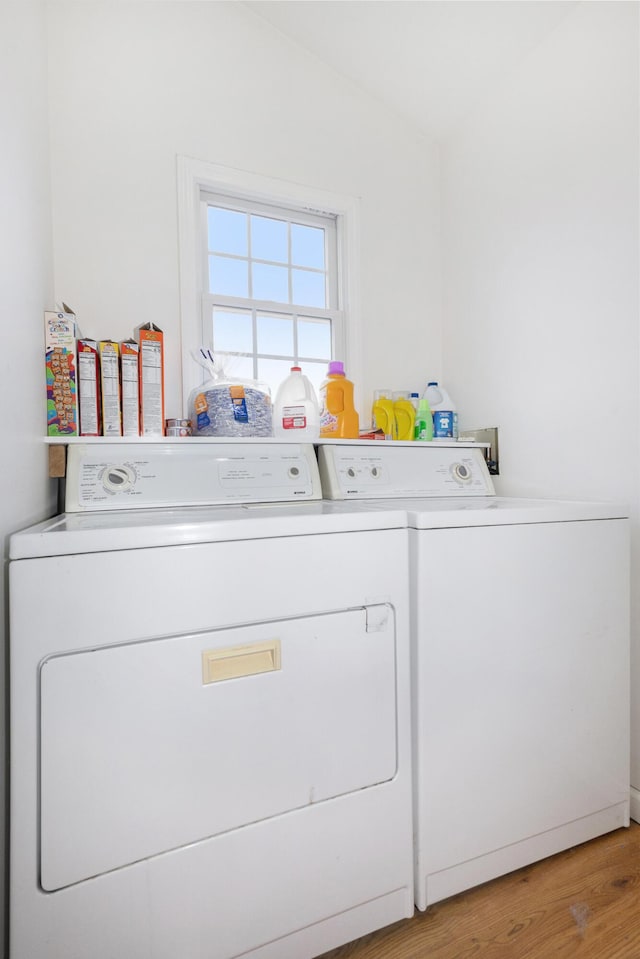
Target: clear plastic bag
224,406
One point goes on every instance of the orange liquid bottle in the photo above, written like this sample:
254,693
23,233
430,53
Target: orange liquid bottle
338,416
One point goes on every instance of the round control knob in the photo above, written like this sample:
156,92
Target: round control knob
118,479
461,473
351,472
294,472
375,472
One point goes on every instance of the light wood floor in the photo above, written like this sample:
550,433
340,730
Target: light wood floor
584,903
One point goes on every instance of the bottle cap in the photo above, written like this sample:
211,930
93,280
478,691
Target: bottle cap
296,369
336,366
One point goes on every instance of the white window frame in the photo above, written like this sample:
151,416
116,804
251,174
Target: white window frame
198,177
330,311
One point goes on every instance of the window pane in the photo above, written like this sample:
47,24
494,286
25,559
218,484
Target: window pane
314,338
273,372
307,246
275,334
232,331
229,277
236,367
308,288
271,274
227,231
269,239
270,282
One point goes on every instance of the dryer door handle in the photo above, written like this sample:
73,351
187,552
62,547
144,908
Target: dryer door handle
232,662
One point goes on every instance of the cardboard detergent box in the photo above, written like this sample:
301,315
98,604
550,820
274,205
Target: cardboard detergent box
129,358
151,374
89,387
61,372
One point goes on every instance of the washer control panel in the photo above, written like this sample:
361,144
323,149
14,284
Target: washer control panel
112,476
392,471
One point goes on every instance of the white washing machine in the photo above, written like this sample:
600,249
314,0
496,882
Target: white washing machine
210,711
520,645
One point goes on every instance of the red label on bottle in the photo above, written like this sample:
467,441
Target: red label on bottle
294,418
294,422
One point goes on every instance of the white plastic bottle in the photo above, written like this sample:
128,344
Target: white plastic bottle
296,415
445,416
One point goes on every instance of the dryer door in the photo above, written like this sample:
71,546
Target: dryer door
148,746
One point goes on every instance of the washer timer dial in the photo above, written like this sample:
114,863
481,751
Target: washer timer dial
118,479
461,473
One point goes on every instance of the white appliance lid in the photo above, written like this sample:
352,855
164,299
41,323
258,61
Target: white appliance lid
502,511
92,532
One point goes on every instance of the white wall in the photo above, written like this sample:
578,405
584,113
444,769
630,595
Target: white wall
26,495
540,241
540,244
133,85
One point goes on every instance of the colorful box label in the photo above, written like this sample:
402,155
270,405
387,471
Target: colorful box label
445,424
60,370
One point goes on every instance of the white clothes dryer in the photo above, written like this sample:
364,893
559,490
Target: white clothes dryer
520,660
210,711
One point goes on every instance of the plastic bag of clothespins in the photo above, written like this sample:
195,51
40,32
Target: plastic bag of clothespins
227,406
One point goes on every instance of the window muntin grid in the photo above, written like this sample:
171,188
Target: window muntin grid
271,288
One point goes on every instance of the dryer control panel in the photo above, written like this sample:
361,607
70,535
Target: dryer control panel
113,476
392,471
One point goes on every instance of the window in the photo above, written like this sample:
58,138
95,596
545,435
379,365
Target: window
263,275
271,293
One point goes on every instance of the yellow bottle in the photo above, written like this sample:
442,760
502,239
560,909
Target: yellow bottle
382,414
338,416
405,416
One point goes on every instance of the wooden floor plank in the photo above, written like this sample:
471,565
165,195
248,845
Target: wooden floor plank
583,903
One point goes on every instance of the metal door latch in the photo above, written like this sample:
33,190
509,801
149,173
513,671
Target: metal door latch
377,618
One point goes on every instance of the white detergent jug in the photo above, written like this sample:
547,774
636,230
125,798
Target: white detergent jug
445,416
296,414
